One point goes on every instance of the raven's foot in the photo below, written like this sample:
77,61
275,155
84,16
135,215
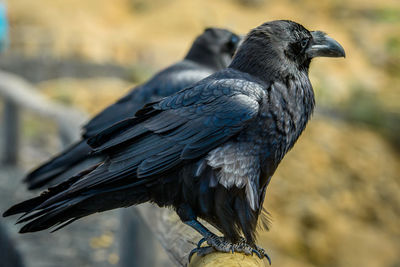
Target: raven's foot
262,252
244,247
247,249
216,243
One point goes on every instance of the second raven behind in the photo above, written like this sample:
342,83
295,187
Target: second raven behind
210,52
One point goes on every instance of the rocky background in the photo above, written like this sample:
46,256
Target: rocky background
335,199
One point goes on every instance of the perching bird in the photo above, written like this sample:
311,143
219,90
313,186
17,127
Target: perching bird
210,52
209,151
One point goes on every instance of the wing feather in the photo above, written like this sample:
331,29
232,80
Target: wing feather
182,127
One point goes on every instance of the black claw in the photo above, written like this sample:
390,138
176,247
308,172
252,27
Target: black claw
201,242
257,252
202,251
205,251
192,253
268,258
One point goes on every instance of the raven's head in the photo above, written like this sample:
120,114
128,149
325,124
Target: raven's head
214,47
300,45
282,45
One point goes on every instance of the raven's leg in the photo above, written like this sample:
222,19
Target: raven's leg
215,242
188,217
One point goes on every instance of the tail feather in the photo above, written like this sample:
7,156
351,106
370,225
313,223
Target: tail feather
38,212
25,206
31,204
51,217
60,215
60,206
49,171
62,225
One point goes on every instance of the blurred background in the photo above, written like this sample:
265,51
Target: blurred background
335,199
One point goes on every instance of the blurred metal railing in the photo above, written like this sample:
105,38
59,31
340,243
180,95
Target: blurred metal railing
18,94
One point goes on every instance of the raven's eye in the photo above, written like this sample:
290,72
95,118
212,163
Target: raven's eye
232,43
304,43
234,39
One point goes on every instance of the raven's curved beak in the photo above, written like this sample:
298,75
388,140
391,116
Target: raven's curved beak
324,46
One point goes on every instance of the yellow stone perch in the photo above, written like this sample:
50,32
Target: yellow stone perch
218,259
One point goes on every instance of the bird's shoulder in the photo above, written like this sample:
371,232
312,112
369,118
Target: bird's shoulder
227,86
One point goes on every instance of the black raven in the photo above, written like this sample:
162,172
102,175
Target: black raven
208,151
210,52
